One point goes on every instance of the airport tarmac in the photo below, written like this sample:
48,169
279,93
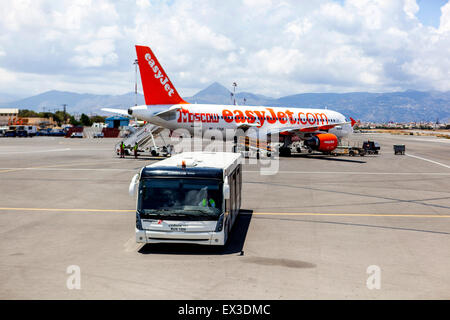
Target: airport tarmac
311,231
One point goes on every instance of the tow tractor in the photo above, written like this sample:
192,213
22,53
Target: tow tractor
371,147
368,147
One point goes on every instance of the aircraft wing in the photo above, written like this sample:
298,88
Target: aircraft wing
297,129
245,126
118,111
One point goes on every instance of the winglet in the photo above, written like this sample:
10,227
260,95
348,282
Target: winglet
353,121
158,89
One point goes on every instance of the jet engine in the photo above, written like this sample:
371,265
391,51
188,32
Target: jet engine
324,142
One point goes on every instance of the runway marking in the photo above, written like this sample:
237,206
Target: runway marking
432,161
254,213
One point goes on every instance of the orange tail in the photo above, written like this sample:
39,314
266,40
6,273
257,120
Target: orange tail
158,89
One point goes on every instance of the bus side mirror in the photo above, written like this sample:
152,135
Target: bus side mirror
133,184
226,191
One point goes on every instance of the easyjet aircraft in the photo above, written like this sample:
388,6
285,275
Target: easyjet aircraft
320,128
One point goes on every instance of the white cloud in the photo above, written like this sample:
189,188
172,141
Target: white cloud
269,47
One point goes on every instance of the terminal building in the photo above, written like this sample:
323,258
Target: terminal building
8,115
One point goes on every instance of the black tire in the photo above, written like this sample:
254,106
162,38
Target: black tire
285,152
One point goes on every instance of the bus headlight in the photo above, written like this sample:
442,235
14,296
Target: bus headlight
219,225
138,221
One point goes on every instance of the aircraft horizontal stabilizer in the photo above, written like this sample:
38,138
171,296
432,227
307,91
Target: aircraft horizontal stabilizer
118,111
168,112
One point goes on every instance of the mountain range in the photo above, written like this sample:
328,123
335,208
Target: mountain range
403,106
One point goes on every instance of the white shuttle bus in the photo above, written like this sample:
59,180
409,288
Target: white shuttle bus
192,197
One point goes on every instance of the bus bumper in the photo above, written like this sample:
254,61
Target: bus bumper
207,238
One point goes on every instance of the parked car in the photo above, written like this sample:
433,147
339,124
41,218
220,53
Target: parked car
99,135
76,135
22,133
10,133
57,133
43,132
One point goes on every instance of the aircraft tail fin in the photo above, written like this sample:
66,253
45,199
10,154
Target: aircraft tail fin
353,121
158,89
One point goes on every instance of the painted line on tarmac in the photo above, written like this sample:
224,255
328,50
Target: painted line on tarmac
350,214
58,167
66,169
432,161
254,213
65,210
36,151
245,171
355,172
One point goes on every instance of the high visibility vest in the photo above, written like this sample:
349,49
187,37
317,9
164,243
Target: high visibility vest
211,202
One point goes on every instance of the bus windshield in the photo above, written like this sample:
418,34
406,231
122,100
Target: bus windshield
190,198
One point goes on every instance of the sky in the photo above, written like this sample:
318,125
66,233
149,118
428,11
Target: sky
269,47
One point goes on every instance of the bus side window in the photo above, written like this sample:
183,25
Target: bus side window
233,193
238,187
235,207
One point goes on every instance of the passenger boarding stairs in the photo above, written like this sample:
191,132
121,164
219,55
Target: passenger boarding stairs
145,139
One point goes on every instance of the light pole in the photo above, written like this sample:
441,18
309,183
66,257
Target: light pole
234,91
135,80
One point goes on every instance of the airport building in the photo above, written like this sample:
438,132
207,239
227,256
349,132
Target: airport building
8,115
117,121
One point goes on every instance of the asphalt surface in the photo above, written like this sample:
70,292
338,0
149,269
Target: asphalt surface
310,231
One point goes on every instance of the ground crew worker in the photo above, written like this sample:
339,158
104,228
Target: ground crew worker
122,150
135,148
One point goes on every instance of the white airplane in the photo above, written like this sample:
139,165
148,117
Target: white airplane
319,128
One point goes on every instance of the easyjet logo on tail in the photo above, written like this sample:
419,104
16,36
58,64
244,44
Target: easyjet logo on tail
158,89
159,75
